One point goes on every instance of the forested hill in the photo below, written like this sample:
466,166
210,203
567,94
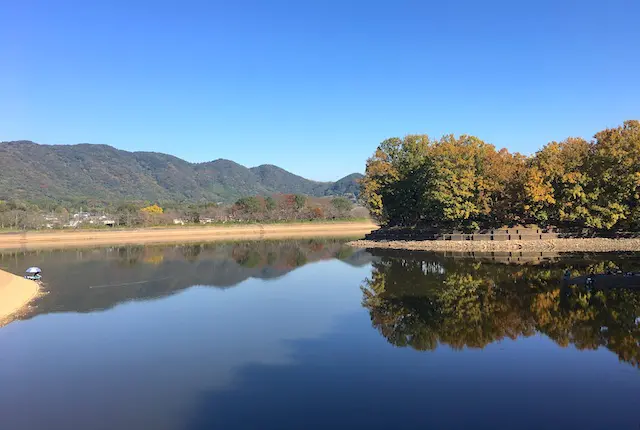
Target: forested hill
33,172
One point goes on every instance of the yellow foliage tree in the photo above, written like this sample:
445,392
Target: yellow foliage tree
152,210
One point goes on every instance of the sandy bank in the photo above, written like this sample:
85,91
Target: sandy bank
554,245
182,234
15,292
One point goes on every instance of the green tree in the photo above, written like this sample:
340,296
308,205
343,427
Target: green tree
300,201
341,205
249,205
270,203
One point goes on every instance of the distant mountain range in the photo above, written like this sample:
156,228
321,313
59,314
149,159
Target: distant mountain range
34,172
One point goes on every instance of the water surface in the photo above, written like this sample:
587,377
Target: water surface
312,334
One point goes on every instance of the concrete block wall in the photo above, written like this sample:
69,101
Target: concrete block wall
505,234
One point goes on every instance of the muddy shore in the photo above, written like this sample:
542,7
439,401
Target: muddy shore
48,239
15,293
552,245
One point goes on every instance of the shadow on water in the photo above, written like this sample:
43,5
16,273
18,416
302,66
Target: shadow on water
425,300
86,280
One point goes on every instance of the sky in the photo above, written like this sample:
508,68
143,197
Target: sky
314,86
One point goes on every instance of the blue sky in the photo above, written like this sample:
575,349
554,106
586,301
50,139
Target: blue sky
313,86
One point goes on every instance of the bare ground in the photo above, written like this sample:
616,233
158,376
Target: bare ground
49,239
15,293
554,245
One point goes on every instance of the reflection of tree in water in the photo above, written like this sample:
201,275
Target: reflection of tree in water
429,300
288,255
191,252
89,279
252,254
130,255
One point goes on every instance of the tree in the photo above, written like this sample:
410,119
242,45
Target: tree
128,214
300,201
390,184
341,205
269,203
557,184
616,169
249,205
451,183
152,210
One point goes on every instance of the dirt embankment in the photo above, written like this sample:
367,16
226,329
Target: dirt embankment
182,234
553,245
15,293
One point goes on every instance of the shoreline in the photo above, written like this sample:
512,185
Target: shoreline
47,239
550,245
15,294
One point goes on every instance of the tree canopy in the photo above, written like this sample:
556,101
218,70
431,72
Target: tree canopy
465,183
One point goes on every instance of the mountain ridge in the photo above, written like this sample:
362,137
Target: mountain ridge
31,171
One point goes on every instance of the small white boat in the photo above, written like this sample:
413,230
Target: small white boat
33,273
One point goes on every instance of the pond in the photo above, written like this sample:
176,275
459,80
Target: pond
313,334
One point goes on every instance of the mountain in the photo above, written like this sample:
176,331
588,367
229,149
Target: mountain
34,172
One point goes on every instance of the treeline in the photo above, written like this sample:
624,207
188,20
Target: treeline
276,208
284,207
465,183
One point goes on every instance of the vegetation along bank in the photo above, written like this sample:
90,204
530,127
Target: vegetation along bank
464,184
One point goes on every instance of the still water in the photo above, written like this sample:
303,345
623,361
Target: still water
315,335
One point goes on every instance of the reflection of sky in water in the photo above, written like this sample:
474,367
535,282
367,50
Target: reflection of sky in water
148,360
294,352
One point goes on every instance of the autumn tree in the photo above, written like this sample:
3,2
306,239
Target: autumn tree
151,215
465,183
152,210
615,167
557,184
451,183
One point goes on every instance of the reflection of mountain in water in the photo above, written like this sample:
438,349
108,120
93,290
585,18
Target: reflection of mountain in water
93,279
422,300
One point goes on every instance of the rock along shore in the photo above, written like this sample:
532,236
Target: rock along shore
555,245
